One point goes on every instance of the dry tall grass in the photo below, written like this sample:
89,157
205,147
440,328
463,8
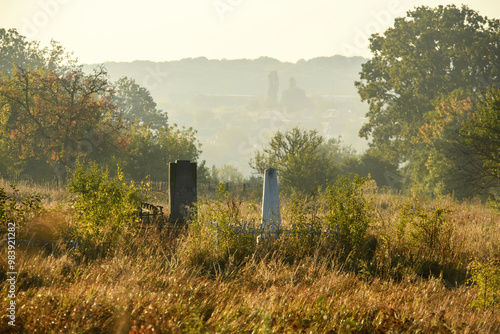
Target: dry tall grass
52,193
153,284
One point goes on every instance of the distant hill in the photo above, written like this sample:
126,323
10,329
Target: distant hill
178,81
224,100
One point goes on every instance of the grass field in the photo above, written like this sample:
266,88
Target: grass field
409,273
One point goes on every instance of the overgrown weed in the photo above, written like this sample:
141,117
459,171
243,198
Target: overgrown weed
196,283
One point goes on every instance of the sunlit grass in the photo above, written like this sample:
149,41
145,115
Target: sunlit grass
154,283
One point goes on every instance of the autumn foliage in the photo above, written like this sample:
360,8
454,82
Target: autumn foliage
47,114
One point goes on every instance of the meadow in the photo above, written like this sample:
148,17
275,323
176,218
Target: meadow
402,263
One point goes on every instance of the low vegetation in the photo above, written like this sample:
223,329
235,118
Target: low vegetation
400,264
390,251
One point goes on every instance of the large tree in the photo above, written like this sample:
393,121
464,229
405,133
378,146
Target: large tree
51,113
53,118
481,132
462,146
150,151
300,157
426,56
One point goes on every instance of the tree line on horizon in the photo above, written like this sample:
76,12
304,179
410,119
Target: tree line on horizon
432,87
53,114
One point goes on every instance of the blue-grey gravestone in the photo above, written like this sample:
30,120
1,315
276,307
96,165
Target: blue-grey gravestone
183,191
271,216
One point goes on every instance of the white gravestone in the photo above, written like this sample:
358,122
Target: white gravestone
271,217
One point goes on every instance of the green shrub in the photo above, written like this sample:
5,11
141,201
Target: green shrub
487,277
429,231
105,208
307,225
213,242
422,243
17,210
348,208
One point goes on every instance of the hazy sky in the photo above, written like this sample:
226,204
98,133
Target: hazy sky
127,30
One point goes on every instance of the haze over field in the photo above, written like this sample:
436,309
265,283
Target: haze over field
126,31
225,100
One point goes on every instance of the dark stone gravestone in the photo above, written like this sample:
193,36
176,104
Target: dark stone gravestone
183,192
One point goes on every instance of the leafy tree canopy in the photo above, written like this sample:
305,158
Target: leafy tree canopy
46,116
461,142
426,55
149,152
52,113
16,50
300,158
134,102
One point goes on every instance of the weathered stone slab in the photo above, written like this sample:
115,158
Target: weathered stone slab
271,216
183,189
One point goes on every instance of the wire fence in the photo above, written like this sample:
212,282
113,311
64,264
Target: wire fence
158,188
212,188
231,188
